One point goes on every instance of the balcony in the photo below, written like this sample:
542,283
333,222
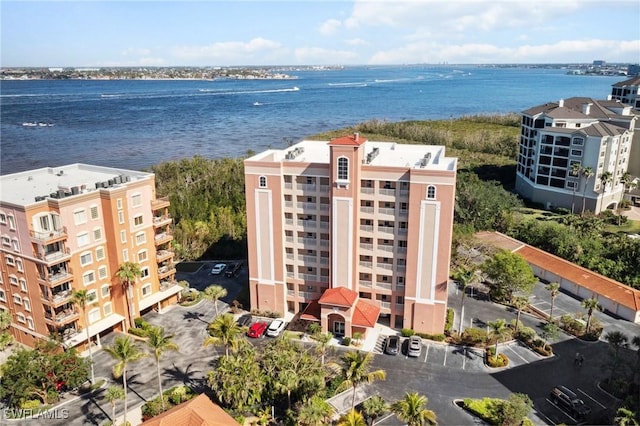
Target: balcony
366,228
366,264
366,209
388,266
58,298
308,259
324,243
385,305
160,203
365,190
387,211
401,268
288,239
308,277
403,192
291,274
62,317
288,204
402,249
166,284
290,256
288,185
306,187
385,247
307,206
54,256
57,278
307,294
324,188
307,223
363,283
162,255
324,260
324,207
159,221
386,286
366,246
291,293
402,230
46,237
165,271
324,225
307,241
391,192
163,237
399,287
324,279
288,222
386,229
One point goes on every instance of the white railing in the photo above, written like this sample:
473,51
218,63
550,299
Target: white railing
324,225
324,207
387,191
363,283
386,229
324,243
388,266
288,221
402,249
366,246
324,188
288,239
385,305
307,223
401,268
309,259
307,186
384,247
365,190
366,209
366,228
307,241
291,293
324,260
288,185
366,264
387,211
309,277
402,230
386,286
288,204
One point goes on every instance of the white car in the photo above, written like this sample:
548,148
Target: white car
275,328
218,268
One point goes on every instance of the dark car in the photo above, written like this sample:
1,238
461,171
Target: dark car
245,320
257,330
392,345
233,269
565,398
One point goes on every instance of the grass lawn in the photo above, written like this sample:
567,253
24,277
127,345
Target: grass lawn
189,267
631,227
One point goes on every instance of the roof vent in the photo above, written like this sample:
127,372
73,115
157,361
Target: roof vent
561,103
60,173
356,136
586,108
291,155
373,154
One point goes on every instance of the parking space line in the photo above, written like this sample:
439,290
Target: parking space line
540,413
444,361
517,354
561,410
426,353
589,396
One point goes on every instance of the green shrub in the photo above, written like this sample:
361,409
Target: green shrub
346,341
485,408
151,408
30,404
492,361
407,332
449,324
526,334
140,332
436,337
474,336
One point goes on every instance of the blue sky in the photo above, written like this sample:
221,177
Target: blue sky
316,32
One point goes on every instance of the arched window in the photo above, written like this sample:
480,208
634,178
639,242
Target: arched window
262,181
343,168
431,192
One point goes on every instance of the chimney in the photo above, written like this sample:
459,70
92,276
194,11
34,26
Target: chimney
561,103
356,135
586,108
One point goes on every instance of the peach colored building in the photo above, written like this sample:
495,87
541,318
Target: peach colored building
68,228
351,232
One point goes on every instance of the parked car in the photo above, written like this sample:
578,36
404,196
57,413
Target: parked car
257,329
218,268
245,320
392,345
415,346
565,398
233,269
275,328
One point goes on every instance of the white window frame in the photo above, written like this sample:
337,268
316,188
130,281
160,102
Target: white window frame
342,168
136,200
105,291
97,234
144,273
10,260
100,253
146,290
82,258
17,299
431,192
121,217
141,238
12,222
83,239
94,209
3,218
143,256
19,264
123,236
3,295
23,284
26,303
107,309
92,296
13,280
91,315
30,324
15,244
125,255
102,272
21,318
6,241
140,218
80,217
119,203
88,278
262,181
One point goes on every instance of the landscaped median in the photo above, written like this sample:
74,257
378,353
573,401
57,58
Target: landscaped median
513,411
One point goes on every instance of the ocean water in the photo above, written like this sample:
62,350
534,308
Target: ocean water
135,124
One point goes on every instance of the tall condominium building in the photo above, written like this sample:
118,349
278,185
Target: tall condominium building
590,133
351,231
628,92
70,228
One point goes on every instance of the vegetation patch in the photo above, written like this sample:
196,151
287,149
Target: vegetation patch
513,411
172,397
495,361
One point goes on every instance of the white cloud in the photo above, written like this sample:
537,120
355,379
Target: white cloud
228,51
318,55
330,27
356,42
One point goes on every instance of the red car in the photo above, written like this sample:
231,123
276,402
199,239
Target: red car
257,330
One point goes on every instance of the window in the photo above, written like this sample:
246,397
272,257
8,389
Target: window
23,284
89,278
17,299
136,200
97,234
94,212
576,152
142,255
141,238
12,222
80,217
83,239
102,272
431,192
27,304
10,261
13,280
123,236
3,295
146,290
119,203
144,272
3,218
94,315
30,323
19,265
15,244
20,317
108,310
121,217
92,296
105,291
343,168
6,241
86,258
100,253
262,181
137,221
578,141
125,255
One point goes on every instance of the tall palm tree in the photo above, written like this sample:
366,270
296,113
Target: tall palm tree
114,394
124,351
554,289
498,330
81,298
519,303
625,417
412,410
627,184
352,418
590,305
605,179
214,293
127,274
315,412
464,277
288,381
355,371
226,331
323,340
617,340
576,170
375,407
587,173
158,343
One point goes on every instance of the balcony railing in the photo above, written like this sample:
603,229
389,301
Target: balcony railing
162,220
57,298
306,294
160,203
402,230
385,247
44,236
382,265
324,207
386,286
307,206
57,277
162,238
363,283
307,187
309,259
366,209
366,228
386,210
288,221
324,260
324,279
324,188
403,212
307,241
403,192
291,275
307,223
55,256
324,243
288,204
402,249
62,317
164,271
401,268
387,191
290,256
288,239
366,264
385,305
324,225
291,293
163,255
288,185
366,246
308,277
365,190
386,229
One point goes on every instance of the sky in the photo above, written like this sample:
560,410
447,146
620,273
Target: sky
316,32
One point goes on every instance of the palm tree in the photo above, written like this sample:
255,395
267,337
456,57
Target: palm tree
627,184
590,305
576,170
315,412
498,331
352,418
375,407
226,331
587,173
464,277
605,179
550,331
323,340
519,303
214,293
412,410
617,340
158,343
124,351
287,381
81,298
355,371
114,394
625,417
554,289
127,274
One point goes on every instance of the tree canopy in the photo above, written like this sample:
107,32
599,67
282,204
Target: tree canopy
509,273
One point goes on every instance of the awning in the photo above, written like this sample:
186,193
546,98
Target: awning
159,296
94,329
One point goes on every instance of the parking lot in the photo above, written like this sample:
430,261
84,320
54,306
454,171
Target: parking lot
199,276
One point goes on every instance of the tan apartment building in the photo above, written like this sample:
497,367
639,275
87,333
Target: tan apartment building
351,232
68,228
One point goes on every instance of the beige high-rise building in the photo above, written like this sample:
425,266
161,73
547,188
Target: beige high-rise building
351,232
68,228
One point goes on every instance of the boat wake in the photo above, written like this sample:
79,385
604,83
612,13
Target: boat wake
36,124
360,84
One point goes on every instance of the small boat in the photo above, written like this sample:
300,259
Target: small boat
257,104
29,124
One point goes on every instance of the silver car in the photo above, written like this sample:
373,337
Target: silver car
415,346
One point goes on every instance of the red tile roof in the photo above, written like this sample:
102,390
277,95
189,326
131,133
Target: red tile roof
199,411
365,314
338,296
311,312
353,140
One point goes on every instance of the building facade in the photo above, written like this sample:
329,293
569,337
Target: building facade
351,232
628,92
69,228
594,135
